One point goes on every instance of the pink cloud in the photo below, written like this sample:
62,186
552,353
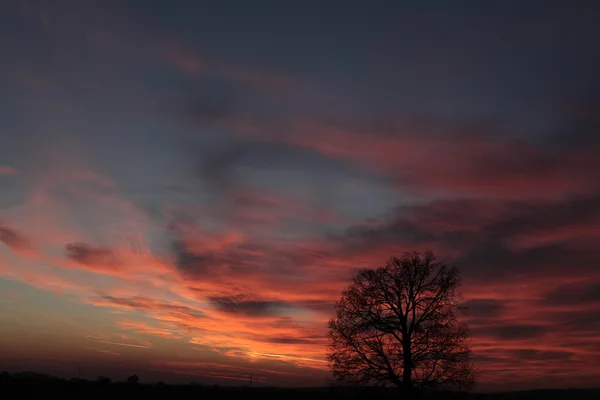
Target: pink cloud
263,298
579,231
184,60
192,63
439,159
6,170
16,241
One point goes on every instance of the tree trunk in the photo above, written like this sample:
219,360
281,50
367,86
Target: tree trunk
407,383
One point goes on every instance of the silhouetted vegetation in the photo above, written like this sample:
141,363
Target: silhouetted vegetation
104,380
396,325
34,385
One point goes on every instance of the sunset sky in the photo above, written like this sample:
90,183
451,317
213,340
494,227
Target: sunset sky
186,187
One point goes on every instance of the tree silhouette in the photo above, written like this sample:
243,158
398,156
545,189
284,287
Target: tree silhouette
104,380
396,325
133,380
5,376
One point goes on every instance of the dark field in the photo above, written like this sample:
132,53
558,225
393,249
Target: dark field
52,388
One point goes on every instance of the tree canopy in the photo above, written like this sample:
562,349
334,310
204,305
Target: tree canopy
397,325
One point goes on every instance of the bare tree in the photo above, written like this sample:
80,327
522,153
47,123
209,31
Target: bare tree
396,325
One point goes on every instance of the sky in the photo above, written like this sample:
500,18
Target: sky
186,187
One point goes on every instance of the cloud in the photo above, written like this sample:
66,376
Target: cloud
146,328
583,293
181,295
506,170
197,66
249,292
235,259
218,256
184,60
530,263
284,340
431,157
143,303
187,260
510,332
223,165
6,170
254,209
210,101
243,304
484,308
137,346
95,257
534,354
14,239
323,306
44,278
488,236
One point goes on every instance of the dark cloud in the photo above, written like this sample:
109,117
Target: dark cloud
510,331
579,125
242,259
222,166
285,340
244,132
286,322
317,305
13,238
530,216
199,264
496,259
586,320
85,254
543,355
575,293
288,340
187,261
211,101
525,355
243,305
493,237
487,356
484,308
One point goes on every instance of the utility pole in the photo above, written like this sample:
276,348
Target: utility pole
250,381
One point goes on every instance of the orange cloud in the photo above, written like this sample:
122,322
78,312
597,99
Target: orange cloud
141,327
251,294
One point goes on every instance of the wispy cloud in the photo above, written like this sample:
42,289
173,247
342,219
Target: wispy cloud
15,240
193,63
6,170
137,346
